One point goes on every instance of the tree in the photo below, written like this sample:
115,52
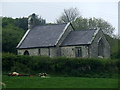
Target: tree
19,22
11,35
7,20
68,15
84,24
22,23
80,23
40,20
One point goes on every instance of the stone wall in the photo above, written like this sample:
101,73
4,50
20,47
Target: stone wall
53,52
43,51
32,52
93,48
70,51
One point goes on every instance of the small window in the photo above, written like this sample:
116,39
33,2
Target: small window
49,51
78,52
39,51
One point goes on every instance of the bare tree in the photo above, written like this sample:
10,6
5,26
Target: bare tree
68,15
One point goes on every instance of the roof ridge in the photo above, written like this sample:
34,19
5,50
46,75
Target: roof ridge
50,24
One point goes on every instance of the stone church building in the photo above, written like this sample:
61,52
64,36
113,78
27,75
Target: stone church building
62,40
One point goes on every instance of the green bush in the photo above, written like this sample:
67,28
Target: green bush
89,67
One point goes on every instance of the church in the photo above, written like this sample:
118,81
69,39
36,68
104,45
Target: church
62,40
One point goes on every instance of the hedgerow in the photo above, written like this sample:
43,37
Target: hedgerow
89,67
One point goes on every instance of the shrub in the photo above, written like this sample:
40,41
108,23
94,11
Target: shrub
93,67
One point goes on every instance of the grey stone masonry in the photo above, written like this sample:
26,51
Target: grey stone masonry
93,47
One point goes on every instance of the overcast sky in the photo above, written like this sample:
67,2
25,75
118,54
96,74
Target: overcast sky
52,10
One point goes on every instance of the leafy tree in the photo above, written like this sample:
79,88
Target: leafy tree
91,23
68,15
40,20
114,44
11,35
80,23
22,23
7,20
19,22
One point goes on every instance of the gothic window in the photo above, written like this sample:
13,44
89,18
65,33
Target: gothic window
78,52
26,53
101,48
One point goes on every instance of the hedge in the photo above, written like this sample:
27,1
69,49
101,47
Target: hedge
59,65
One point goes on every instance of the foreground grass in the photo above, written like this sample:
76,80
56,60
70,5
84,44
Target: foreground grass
59,82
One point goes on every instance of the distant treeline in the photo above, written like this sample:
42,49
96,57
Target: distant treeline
18,22
92,67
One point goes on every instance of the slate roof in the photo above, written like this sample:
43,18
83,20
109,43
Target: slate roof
79,37
48,35
42,36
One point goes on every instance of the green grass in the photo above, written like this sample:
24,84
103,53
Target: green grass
59,82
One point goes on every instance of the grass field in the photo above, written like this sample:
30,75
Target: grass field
59,82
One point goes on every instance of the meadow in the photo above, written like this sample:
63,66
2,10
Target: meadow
59,82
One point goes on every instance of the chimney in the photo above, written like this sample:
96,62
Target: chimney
31,21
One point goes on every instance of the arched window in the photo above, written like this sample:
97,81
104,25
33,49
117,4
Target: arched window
26,53
101,48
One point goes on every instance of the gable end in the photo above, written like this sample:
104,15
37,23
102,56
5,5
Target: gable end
63,34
